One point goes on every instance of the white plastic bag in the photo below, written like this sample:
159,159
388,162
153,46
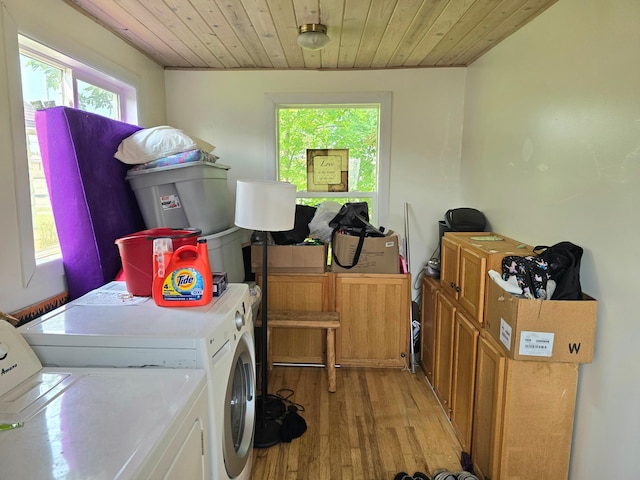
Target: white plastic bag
319,226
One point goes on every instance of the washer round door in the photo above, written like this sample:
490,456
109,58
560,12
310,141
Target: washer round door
239,415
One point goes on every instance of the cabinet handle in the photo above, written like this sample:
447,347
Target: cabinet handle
458,289
453,285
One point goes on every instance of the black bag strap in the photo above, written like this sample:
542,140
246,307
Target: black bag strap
559,248
356,256
538,249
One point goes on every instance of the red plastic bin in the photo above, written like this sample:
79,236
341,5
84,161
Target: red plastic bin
136,253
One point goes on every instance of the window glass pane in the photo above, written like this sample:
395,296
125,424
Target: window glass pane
355,128
98,100
41,83
42,86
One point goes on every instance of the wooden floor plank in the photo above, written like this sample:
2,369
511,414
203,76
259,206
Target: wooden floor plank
377,423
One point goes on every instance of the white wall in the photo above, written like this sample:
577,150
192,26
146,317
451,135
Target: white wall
551,152
228,110
61,27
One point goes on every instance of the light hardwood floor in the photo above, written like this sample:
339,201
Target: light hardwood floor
379,422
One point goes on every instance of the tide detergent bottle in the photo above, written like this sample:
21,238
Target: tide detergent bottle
182,278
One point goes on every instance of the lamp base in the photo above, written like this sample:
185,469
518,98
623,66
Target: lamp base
267,433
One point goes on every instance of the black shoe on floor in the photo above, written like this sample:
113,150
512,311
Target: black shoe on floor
420,476
402,476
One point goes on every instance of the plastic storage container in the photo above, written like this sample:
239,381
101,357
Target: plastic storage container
136,252
225,253
193,195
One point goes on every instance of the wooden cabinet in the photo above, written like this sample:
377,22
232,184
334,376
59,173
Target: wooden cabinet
446,311
374,317
523,416
487,419
472,279
455,360
464,276
428,305
465,341
515,417
465,260
449,258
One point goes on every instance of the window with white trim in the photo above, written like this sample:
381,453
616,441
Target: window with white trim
49,79
356,122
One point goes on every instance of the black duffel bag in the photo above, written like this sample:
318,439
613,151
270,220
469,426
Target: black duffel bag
350,215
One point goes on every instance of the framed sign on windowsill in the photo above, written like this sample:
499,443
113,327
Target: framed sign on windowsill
328,170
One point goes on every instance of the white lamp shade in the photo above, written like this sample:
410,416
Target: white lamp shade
265,205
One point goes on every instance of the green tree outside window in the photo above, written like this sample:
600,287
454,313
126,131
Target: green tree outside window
354,128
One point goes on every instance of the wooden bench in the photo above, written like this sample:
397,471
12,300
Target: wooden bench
327,320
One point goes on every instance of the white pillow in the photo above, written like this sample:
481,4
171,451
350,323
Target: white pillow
153,143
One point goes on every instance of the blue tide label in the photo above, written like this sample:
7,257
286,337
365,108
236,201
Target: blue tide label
183,285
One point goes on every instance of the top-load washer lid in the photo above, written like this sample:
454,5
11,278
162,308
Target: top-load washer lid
88,423
18,362
107,317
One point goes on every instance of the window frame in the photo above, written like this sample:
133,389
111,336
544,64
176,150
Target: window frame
85,73
50,269
274,101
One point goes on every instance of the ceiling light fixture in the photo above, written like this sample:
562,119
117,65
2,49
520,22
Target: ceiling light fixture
313,36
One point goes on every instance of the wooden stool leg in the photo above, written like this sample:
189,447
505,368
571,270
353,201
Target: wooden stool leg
331,358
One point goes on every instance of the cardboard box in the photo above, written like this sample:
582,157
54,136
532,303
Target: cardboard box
542,330
290,258
220,282
378,255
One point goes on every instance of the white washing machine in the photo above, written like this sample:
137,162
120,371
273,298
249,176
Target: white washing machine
108,328
78,423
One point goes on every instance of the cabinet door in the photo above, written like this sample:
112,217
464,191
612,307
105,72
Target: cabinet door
471,282
444,350
430,287
374,319
449,258
488,410
298,293
465,342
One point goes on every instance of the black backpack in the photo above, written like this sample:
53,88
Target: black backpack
563,260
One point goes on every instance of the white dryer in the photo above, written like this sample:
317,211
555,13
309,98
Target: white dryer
77,423
107,328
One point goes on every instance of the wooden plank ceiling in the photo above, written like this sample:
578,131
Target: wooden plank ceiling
261,34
